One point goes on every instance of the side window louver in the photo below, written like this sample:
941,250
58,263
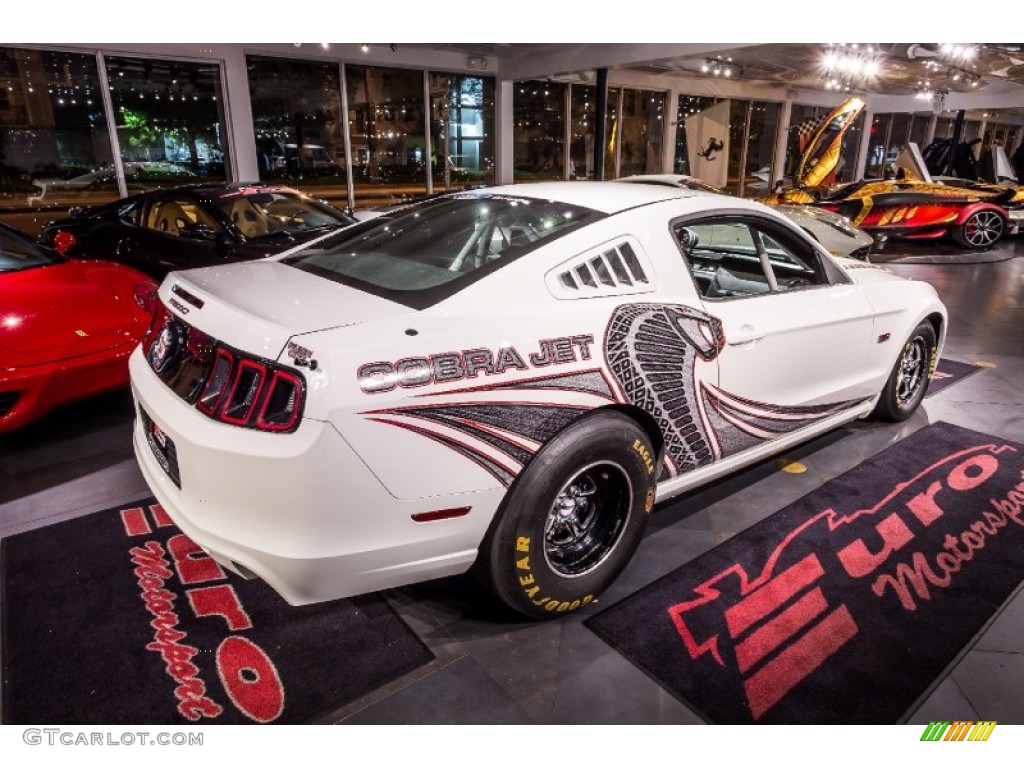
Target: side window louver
617,268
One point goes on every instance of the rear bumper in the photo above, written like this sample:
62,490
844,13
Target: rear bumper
38,389
301,511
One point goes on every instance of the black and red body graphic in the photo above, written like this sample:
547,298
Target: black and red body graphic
651,353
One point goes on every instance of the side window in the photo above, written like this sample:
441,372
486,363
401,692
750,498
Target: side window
791,268
734,258
724,259
170,215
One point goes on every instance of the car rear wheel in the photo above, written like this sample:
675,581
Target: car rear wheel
573,518
908,381
981,229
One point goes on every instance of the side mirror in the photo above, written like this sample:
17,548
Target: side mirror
200,232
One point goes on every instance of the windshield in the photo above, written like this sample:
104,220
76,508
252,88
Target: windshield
423,253
17,253
268,213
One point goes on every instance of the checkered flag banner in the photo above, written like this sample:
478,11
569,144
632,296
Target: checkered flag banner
805,130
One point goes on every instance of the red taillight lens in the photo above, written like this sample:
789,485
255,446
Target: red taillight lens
232,387
146,297
241,400
63,242
155,326
217,382
280,410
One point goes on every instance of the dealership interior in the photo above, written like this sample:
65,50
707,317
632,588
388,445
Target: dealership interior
370,126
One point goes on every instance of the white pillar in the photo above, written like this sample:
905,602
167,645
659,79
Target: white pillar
668,137
781,137
238,116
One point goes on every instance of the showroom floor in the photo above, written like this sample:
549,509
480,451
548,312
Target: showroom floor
492,670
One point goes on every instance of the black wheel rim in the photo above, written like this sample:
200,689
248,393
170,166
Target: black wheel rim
587,519
912,371
983,229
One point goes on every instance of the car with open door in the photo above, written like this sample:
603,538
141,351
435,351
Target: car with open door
508,377
194,226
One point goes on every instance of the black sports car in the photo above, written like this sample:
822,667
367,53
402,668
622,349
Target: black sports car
194,226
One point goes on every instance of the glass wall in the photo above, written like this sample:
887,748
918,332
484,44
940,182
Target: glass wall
297,119
944,127
169,121
582,109
689,107
54,140
878,140
461,130
643,115
919,129
538,130
386,121
764,127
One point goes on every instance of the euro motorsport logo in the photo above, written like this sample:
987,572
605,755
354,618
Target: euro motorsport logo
961,730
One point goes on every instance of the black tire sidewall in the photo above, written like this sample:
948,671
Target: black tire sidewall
889,407
517,569
960,235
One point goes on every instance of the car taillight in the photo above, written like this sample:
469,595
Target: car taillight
233,387
280,410
146,297
247,392
156,325
63,241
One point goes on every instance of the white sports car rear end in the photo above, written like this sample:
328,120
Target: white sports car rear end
511,376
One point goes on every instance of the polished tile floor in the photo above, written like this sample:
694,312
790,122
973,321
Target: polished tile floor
491,669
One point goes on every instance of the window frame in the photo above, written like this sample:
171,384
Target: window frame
786,234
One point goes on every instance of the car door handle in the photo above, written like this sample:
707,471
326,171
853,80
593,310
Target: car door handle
747,334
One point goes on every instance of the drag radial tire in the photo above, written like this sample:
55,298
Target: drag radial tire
908,381
573,518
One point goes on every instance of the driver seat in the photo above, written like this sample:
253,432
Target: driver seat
250,222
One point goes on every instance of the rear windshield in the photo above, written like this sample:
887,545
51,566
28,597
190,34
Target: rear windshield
424,253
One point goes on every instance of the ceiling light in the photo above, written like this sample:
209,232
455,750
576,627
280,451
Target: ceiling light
364,48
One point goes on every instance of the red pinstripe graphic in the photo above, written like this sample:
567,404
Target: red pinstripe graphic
471,452
462,403
520,382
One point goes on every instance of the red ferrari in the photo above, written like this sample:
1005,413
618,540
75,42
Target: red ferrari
66,327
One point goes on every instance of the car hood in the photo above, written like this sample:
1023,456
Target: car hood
65,310
258,305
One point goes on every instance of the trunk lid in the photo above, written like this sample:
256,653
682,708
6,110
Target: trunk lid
258,306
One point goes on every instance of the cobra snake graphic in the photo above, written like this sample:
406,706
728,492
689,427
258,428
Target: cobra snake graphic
652,350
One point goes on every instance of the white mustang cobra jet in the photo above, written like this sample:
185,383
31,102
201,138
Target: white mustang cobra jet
509,377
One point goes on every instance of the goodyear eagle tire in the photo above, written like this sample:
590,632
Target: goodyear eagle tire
573,518
908,381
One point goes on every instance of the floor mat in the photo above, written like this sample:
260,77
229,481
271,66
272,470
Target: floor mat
950,372
119,618
845,606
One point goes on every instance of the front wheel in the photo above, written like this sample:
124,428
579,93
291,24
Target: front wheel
573,518
908,381
981,229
